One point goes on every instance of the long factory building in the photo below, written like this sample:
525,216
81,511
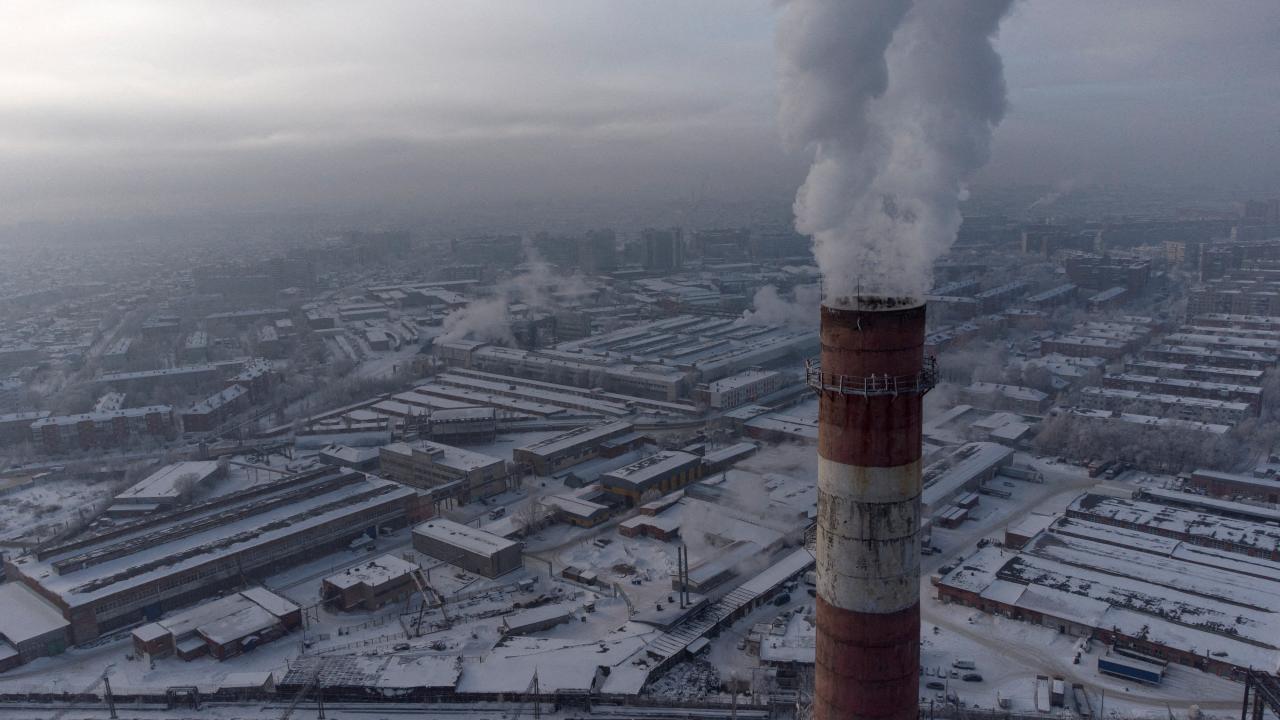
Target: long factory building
659,360
117,577
1179,577
551,455
1248,394
1224,412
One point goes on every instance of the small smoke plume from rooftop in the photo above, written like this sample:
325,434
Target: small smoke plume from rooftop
896,100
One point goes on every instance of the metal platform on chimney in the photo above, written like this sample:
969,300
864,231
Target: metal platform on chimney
873,385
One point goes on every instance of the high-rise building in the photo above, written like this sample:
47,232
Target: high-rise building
663,249
598,251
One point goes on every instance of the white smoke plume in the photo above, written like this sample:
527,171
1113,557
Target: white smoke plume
487,320
897,101
537,286
770,308
1059,191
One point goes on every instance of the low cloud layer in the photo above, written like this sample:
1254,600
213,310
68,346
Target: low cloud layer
140,108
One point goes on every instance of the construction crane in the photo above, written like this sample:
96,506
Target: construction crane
427,591
100,680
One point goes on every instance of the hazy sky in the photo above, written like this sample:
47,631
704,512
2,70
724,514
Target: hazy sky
124,107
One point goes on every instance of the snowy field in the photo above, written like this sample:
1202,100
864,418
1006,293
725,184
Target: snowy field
46,508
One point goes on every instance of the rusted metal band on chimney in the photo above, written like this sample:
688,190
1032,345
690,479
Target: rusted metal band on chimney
872,380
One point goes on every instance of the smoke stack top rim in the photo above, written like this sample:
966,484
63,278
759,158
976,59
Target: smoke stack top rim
872,303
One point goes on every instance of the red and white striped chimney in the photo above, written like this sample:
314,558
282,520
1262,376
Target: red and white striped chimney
871,385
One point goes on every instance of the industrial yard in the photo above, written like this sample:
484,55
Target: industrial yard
495,361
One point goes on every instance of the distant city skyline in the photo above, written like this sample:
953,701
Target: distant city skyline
115,110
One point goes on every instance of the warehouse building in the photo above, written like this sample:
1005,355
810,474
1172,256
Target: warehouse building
579,507
525,622
222,628
364,459
471,549
165,488
745,387
553,454
371,584
662,472
113,578
1249,394
1223,412
964,471
1142,587
449,471
462,425
1256,537
1230,485
30,626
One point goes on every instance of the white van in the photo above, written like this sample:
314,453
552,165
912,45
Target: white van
964,664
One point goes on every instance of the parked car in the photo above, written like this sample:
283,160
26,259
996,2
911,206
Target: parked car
935,685
971,677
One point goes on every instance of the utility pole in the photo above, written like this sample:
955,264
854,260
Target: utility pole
733,687
111,701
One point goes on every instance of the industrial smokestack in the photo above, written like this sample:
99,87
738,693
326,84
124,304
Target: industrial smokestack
871,384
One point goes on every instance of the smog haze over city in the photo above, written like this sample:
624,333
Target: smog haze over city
773,359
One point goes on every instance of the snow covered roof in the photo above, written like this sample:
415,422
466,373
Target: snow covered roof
1205,526
379,570
455,458
245,621
1030,525
464,537
24,615
562,665
164,485
103,417
945,477
269,601
742,379
736,451
653,467
577,436
521,620
153,552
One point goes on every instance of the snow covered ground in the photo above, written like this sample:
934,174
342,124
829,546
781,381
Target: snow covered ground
45,508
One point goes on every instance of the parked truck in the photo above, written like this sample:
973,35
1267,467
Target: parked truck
1131,668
